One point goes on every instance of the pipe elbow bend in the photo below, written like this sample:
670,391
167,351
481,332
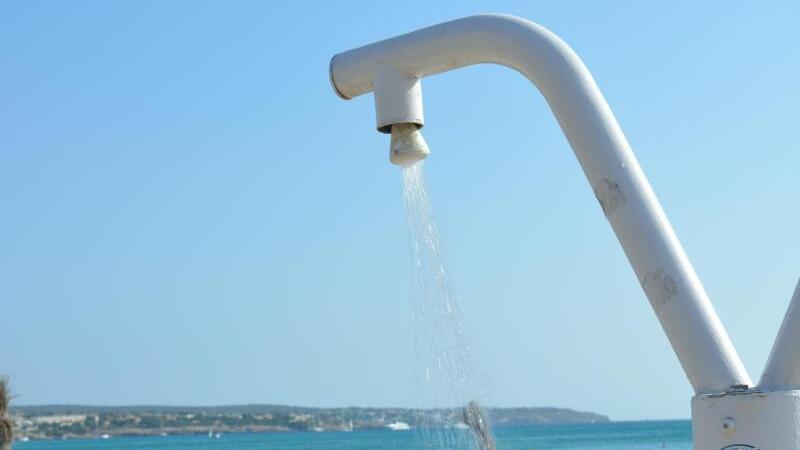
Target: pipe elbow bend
502,39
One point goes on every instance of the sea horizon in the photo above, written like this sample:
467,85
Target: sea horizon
623,435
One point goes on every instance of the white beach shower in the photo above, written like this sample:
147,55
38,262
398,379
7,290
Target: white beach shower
728,410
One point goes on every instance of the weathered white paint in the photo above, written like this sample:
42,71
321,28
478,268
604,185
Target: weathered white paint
660,263
746,420
407,145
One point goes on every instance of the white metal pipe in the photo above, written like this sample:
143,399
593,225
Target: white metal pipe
660,263
783,366
398,99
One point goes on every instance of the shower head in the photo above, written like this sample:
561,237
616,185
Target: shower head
398,111
407,145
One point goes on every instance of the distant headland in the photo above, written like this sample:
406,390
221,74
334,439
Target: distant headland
81,421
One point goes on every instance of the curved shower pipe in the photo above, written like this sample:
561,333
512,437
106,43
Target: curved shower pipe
393,68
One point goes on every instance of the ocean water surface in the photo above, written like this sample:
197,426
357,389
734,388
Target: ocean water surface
616,435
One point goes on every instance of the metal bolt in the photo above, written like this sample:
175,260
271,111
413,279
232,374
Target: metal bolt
728,425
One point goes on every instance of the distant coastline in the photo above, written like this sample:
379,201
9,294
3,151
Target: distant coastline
84,421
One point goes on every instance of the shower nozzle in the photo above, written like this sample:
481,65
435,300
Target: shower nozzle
407,145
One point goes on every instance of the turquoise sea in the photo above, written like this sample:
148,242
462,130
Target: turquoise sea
617,435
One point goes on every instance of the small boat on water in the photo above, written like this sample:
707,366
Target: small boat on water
398,426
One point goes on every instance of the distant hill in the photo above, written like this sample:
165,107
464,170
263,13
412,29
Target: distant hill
534,416
66,421
510,416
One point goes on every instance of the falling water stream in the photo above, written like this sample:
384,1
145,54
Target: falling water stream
445,372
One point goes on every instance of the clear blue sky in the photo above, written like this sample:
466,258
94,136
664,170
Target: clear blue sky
189,215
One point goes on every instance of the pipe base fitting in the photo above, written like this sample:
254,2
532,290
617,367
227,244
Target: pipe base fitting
746,420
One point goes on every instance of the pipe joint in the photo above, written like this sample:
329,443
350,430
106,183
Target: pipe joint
398,98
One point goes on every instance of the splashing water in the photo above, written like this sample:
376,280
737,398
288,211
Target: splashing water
445,372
